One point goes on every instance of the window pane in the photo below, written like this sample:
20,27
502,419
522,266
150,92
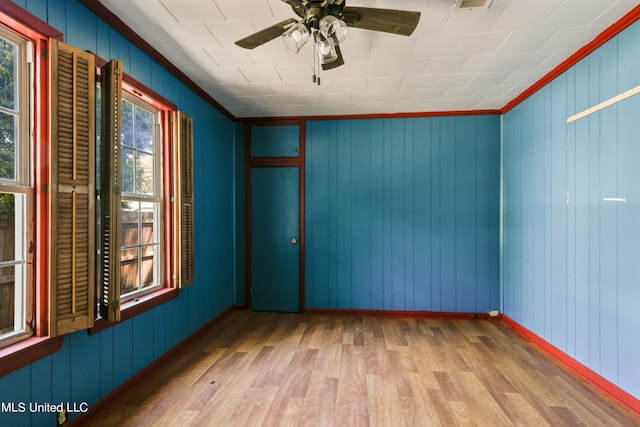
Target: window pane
129,270
144,130
12,255
129,224
144,174
147,266
7,227
7,74
127,124
128,170
148,220
7,146
7,299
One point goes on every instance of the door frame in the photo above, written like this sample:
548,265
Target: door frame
250,163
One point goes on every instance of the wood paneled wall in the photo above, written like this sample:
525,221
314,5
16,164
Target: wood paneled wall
89,367
403,214
571,253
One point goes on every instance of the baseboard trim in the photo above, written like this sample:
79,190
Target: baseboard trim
402,314
165,359
601,383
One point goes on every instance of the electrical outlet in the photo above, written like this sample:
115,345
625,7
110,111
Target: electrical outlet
62,417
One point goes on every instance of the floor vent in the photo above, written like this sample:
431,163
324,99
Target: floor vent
473,4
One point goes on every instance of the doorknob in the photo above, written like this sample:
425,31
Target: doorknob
294,241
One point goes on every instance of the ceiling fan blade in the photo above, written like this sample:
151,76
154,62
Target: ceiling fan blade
266,35
393,21
339,61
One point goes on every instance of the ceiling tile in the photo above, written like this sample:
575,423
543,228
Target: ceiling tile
239,10
191,35
456,58
525,15
192,11
479,44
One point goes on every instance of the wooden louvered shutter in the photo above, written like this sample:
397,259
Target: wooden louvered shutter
185,199
72,303
110,197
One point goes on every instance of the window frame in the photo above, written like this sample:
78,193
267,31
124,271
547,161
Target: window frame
168,288
21,186
40,344
154,198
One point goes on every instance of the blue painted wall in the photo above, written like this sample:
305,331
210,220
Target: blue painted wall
571,260
89,367
403,214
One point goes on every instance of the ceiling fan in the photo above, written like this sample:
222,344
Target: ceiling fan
326,22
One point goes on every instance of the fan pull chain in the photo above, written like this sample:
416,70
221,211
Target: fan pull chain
316,58
313,52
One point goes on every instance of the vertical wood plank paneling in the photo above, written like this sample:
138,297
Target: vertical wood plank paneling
60,373
558,225
609,217
387,216
389,193
466,217
13,390
35,7
143,341
448,187
88,367
344,200
105,346
377,215
537,207
580,212
397,221
122,352
40,372
422,214
588,292
360,158
81,29
436,220
85,373
628,244
103,42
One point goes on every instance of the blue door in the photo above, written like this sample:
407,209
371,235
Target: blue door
275,247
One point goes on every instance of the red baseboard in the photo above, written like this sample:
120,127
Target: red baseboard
604,385
165,359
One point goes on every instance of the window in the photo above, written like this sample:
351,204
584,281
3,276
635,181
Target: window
51,220
140,216
137,186
16,287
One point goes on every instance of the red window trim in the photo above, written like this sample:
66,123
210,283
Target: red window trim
168,292
40,345
25,352
138,306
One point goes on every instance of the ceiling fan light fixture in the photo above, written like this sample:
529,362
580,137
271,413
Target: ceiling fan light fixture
326,51
295,37
333,29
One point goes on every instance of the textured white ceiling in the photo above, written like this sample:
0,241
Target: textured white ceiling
455,60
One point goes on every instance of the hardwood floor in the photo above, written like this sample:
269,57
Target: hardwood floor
314,370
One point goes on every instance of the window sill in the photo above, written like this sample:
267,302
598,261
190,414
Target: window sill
137,306
26,352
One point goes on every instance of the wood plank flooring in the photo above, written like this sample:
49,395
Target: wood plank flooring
275,369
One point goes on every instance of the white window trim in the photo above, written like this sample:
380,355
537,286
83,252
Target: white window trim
21,187
155,198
